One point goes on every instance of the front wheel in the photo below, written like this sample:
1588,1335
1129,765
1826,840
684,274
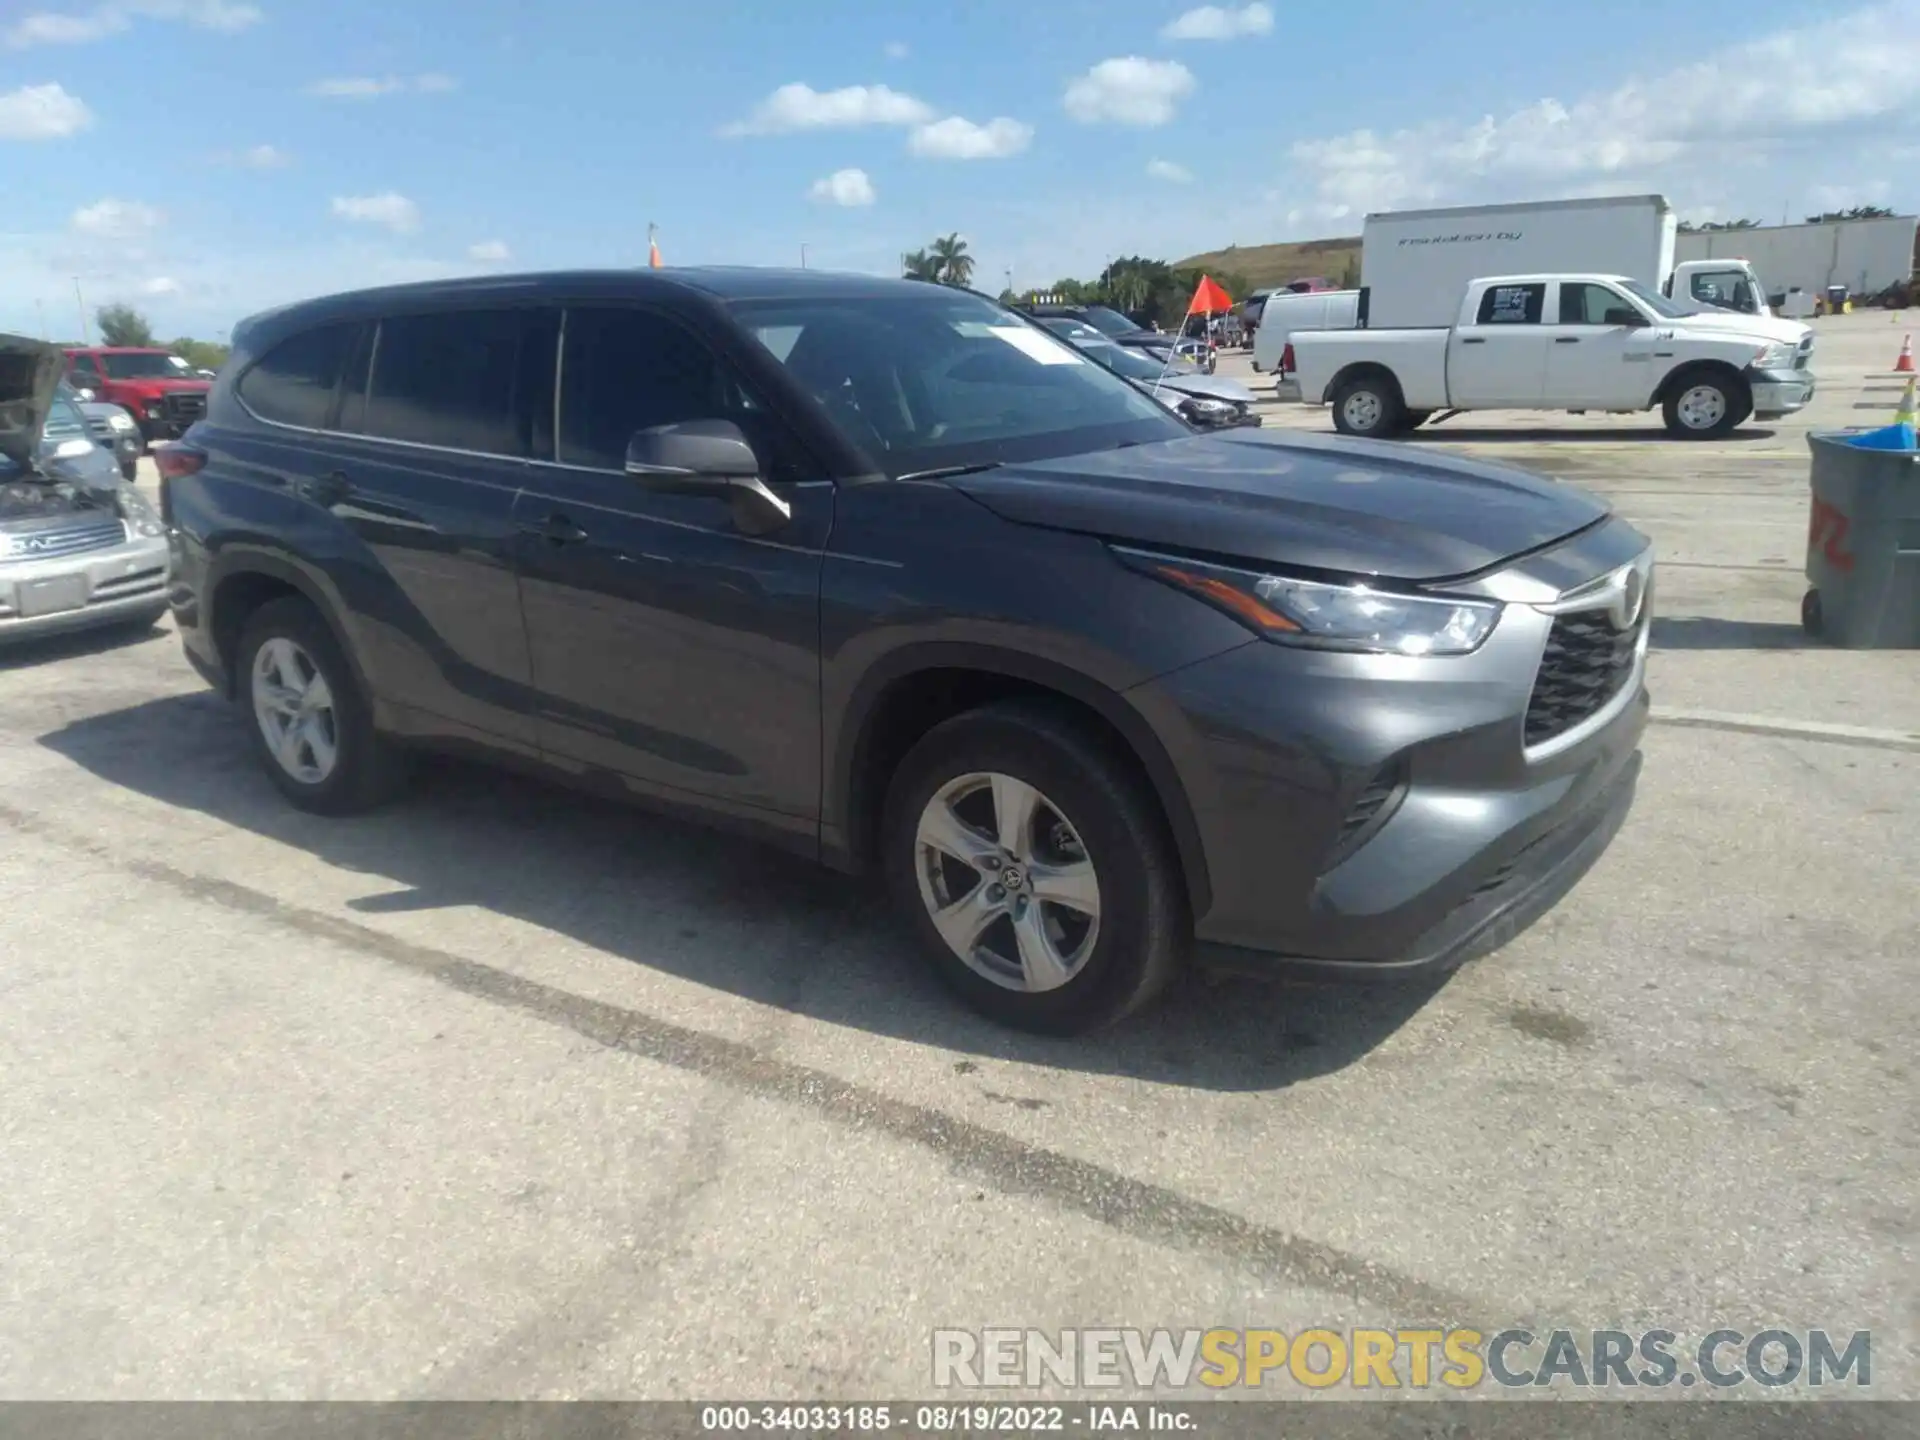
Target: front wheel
1035,870
1813,618
1369,406
1704,407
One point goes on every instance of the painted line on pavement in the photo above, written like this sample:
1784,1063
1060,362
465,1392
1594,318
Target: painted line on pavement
1816,730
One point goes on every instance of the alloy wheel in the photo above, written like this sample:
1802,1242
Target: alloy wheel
1007,881
294,707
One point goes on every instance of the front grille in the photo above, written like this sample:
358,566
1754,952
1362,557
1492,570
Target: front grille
101,432
186,406
72,540
1806,353
1586,663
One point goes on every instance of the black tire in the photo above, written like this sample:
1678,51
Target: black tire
1813,618
367,768
1735,405
1144,927
130,471
1375,422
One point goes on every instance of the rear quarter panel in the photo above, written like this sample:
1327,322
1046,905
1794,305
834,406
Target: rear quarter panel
1416,358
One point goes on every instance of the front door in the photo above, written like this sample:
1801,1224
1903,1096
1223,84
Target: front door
671,647
1500,359
1600,353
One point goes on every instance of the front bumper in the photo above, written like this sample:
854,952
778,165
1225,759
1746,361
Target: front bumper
75,592
1376,815
1779,392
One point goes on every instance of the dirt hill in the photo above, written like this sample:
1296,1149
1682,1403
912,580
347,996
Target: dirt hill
1268,265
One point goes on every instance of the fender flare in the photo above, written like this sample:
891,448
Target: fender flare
240,558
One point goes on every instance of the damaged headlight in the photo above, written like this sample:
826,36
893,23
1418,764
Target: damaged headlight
139,514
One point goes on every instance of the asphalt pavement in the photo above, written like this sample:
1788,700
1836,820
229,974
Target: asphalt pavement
499,1092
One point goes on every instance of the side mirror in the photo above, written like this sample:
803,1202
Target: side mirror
1622,315
84,394
705,457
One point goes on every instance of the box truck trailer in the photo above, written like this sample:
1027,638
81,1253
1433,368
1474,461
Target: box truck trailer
1414,264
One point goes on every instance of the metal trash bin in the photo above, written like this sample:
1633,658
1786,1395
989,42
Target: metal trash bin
1863,546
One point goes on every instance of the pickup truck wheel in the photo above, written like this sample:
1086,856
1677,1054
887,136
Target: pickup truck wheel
1369,406
1704,406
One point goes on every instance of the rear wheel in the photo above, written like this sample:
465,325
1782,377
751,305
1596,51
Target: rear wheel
1368,405
1813,619
312,728
1034,869
1704,406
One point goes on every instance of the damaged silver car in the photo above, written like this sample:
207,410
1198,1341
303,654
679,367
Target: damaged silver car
79,546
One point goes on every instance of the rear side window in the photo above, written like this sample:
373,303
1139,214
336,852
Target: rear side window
294,383
462,380
1512,304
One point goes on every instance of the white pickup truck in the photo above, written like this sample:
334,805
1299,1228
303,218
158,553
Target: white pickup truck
1561,342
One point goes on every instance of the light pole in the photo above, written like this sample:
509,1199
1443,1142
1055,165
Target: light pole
803,257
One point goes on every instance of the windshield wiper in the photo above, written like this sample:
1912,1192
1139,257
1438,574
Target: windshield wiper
948,471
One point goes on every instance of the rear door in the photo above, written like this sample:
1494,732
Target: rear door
1600,353
443,409
1501,358
670,645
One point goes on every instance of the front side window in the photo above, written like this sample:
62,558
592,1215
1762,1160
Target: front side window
624,370
1660,305
921,381
461,379
1588,304
147,365
293,383
1512,304
84,371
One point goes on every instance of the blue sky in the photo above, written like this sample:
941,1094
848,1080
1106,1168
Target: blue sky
203,159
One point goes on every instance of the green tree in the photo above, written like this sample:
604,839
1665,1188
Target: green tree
122,325
956,265
1858,212
919,265
1721,225
201,354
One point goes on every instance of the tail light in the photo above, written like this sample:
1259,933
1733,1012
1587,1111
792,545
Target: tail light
176,462
1286,359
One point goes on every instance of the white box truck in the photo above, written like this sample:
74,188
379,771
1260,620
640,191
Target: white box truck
1414,264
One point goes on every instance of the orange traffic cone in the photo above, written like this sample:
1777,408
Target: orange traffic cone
1904,365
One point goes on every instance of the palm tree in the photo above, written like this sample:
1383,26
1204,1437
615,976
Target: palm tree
920,266
956,265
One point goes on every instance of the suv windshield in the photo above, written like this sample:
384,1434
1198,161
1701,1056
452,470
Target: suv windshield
1109,322
920,381
150,366
1660,304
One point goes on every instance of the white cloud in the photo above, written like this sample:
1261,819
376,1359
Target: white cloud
396,212
112,219
844,187
897,50
371,87
51,28
42,112
265,157
1129,91
1167,170
801,107
161,285
956,138
1212,22
489,252
1758,103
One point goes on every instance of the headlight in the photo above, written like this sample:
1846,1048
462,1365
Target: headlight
1776,357
1321,616
120,421
1212,409
138,512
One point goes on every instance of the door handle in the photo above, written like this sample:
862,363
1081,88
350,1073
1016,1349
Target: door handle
1473,340
1566,339
557,529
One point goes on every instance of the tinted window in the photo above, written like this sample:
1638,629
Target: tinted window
460,380
84,369
626,370
928,377
1591,304
1512,304
294,383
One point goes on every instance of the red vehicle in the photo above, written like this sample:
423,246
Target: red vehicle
161,391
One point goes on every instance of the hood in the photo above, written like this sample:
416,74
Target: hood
1213,387
30,372
1320,503
1764,329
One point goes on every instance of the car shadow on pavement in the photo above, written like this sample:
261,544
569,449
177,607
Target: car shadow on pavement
75,644
722,912
1704,632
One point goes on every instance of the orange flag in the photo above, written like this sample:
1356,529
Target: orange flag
1209,298
653,248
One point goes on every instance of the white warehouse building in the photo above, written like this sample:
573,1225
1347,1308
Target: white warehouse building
1866,256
